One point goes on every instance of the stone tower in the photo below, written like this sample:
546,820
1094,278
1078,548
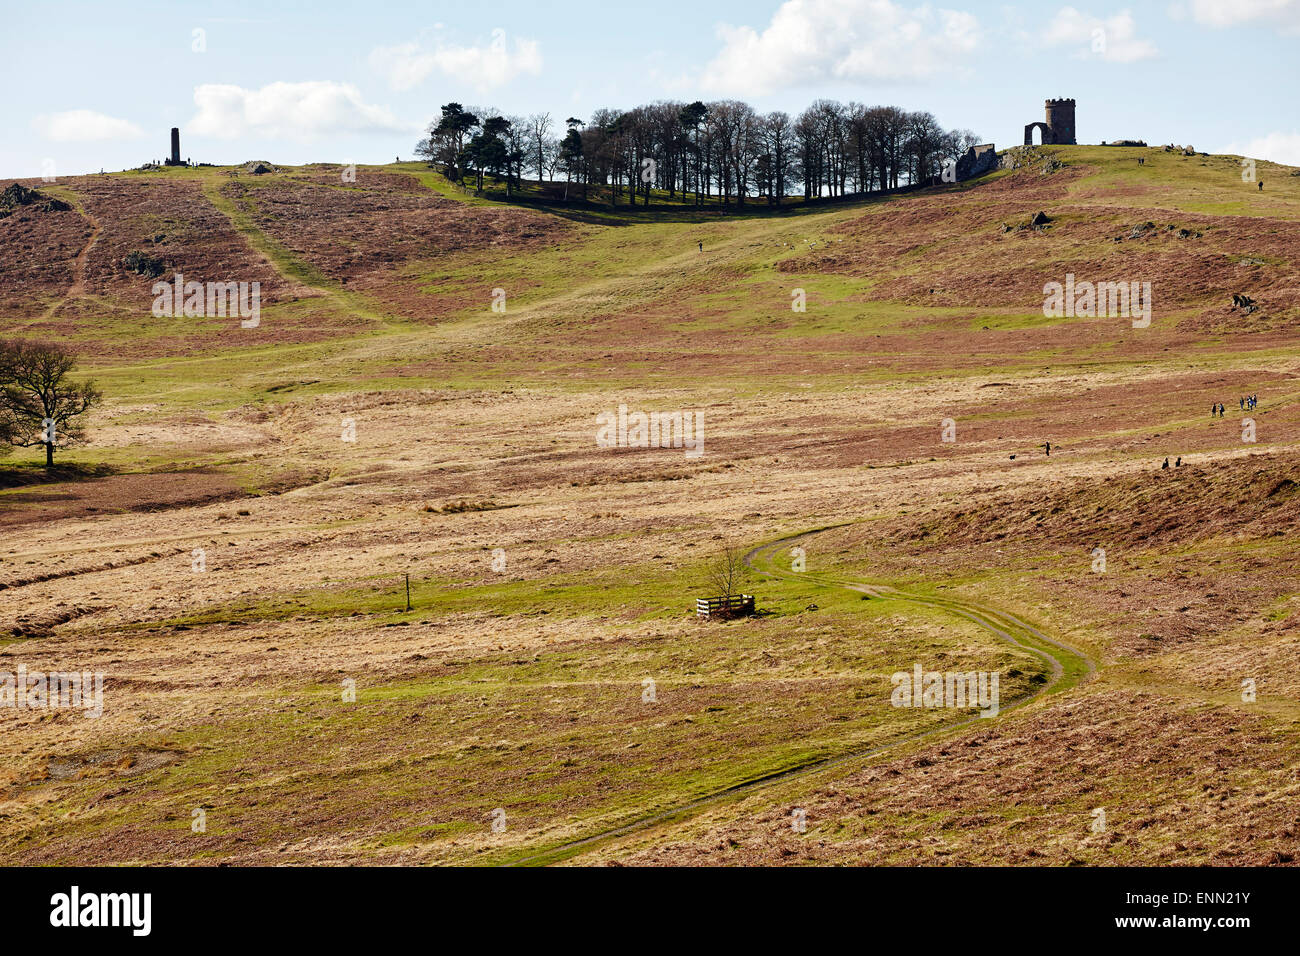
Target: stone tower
1060,120
1059,128
176,147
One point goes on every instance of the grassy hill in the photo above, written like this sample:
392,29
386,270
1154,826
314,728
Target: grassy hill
521,685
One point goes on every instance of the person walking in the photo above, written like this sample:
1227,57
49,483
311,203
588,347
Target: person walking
1048,446
1165,465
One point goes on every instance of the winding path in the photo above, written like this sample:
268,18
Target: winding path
1069,667
81,263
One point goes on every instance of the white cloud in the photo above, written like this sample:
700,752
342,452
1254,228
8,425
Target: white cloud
1111,38
1229,13
406,65
300,111
1275,147
75,126
816,41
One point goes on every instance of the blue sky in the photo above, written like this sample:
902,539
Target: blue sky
99,85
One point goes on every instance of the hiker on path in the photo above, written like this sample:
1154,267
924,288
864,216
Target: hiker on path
1179,462
1165,465
701,246
1048,446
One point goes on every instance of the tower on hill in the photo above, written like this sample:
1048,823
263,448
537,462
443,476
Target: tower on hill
1059,128
175,158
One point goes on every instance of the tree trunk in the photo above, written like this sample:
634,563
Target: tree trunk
49,454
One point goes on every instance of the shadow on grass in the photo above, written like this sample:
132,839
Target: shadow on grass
22,474
598,210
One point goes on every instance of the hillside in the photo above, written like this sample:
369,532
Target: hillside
520,685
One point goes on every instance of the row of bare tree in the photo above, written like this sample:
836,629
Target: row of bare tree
724,150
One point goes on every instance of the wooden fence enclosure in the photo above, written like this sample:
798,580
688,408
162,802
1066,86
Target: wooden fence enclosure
738,605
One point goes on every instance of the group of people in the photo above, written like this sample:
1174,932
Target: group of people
1246,403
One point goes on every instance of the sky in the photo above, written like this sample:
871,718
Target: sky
100,85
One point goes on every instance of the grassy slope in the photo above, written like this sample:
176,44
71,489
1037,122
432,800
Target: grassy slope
645,260
585,309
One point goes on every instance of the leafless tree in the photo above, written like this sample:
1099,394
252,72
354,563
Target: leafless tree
552,156
518,140
539,129
925,144
725,573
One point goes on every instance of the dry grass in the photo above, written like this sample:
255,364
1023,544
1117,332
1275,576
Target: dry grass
520,686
